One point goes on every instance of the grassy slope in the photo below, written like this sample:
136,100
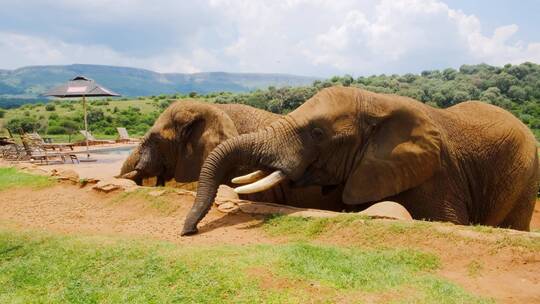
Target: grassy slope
37,267
51,268
11,177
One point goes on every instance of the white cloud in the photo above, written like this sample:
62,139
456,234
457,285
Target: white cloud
317,37
18,50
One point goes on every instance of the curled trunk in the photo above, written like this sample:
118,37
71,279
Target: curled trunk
262,149
222,159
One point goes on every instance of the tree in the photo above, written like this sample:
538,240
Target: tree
491,95
449,74
517,93
25,124
95,115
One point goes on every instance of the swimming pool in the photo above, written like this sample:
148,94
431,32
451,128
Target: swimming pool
124,150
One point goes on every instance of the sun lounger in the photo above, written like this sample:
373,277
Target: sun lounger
123,136
38,140
92,140
12,152
35,150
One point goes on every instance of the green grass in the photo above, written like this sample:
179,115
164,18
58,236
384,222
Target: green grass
362,231
11,177
303,228
45,268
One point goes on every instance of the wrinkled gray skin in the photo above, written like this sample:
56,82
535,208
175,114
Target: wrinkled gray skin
472,163
187,131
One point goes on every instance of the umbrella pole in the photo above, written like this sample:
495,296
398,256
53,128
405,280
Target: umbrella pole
85,126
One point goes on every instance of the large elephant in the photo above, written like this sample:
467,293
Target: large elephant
472,163
185,134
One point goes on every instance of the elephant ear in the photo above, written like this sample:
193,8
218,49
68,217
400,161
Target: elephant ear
200,127
402,151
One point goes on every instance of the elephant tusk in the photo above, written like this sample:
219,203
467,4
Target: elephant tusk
130,175
263,184
249,178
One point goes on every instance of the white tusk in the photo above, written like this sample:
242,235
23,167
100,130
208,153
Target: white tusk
263,184
249,178
129,175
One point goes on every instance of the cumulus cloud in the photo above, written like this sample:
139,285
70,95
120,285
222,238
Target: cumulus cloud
316,37
18,50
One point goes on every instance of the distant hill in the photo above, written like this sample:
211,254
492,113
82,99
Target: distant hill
28,83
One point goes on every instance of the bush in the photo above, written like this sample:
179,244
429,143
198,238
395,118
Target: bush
50,107
2,113
56,130
26,124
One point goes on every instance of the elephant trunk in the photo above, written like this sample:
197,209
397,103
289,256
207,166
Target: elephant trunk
254,149
220,161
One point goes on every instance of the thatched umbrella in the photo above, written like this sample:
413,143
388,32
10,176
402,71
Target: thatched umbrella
81,86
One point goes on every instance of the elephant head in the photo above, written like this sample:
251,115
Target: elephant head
178,143
372,145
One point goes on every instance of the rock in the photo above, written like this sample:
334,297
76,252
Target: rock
112,184
388,209
228,207
91,180
67,174
156,193
185,192
226,192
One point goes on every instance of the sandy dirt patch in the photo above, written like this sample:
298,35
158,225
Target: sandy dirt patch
67,209
507,274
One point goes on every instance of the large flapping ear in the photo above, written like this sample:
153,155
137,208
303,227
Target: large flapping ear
200,127
401,152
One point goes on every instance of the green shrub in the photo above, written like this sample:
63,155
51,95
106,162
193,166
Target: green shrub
50,107
56,130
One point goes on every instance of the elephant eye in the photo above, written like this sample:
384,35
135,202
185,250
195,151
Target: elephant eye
317,134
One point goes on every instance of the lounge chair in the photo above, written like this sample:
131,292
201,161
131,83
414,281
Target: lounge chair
92,140
12,152
35,150
123,136
38,140
9,149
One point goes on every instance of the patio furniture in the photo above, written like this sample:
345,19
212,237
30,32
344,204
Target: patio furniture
92,140
12,152
5,141
35,150
9,149
81,86
123,136
47,144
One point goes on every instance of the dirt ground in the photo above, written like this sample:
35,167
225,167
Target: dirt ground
509,275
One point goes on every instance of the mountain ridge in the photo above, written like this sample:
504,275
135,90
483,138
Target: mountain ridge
31,81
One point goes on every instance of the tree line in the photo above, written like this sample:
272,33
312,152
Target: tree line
512,87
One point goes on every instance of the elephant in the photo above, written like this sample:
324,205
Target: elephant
188,130
471,163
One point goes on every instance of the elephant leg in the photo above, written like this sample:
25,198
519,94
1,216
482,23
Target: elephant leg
519,217
160,181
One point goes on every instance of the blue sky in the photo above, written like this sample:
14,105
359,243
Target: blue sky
308,37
